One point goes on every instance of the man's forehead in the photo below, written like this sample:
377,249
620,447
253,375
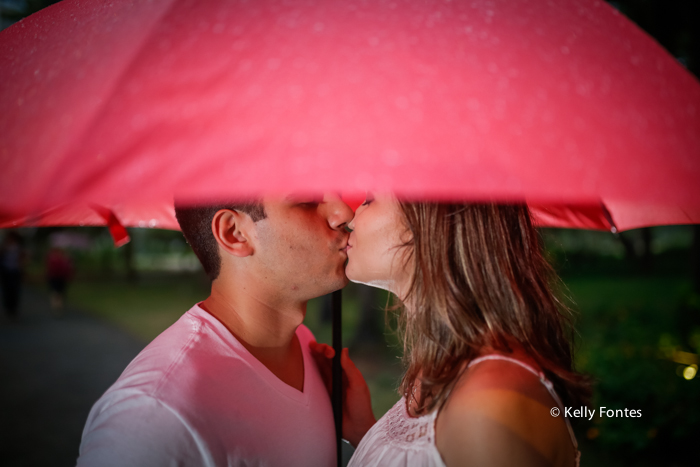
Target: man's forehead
293,198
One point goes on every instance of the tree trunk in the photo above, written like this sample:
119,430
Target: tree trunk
647,257
695,258
131,274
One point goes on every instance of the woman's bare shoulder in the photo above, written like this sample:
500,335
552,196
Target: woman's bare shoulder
499,414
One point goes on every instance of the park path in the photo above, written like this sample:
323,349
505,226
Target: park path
51,372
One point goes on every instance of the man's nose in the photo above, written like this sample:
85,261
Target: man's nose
339,213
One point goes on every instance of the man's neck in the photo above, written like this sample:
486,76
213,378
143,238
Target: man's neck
265,327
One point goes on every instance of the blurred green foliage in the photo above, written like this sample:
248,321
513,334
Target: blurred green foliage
638,330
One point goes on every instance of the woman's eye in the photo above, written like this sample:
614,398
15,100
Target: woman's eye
368,201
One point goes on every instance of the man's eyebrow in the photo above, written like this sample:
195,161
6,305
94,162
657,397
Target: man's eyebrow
303,197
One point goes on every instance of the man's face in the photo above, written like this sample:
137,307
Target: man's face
301,244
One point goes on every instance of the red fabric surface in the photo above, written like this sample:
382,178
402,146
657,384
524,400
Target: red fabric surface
566,105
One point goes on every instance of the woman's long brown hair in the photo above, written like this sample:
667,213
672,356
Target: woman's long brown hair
480,281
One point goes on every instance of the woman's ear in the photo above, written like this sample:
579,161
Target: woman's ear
230,229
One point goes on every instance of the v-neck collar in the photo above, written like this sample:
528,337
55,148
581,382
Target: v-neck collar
258,367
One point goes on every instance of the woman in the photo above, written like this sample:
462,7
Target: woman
486,344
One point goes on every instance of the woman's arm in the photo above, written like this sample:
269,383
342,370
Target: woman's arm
493,428
499,414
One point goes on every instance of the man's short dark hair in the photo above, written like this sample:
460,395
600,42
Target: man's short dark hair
195,223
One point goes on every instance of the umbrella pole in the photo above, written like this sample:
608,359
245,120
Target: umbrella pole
337,396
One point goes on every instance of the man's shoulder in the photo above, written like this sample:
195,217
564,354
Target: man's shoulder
172,355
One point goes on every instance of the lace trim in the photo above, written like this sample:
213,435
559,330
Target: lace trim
400,429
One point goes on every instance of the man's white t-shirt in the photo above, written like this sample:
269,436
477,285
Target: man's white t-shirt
196,397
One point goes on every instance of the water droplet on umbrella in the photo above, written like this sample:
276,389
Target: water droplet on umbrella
391,157
273,63
402,103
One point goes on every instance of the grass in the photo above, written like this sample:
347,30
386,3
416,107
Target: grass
144,308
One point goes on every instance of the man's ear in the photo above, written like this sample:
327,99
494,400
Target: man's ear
231,231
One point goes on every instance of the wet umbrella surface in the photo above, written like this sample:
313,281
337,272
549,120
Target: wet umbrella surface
565,104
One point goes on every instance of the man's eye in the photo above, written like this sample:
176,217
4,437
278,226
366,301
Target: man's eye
368,201
309,204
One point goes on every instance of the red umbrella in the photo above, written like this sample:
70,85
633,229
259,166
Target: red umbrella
564,104
109,109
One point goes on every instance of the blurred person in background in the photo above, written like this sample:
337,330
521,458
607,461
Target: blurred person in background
59,271
12,259
487,345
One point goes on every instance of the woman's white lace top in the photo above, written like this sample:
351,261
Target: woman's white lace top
399,440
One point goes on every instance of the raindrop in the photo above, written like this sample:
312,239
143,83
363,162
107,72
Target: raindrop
402,103
254,91
245,65
238,45
391,157
152,223
323,90
296,92
273,63
565,50
318,27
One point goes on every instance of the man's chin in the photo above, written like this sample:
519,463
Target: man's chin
338,283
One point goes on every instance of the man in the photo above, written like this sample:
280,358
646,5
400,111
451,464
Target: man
232,382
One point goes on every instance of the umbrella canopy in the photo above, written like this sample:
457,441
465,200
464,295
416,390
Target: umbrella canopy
123,104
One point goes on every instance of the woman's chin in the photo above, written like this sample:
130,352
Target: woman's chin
378,284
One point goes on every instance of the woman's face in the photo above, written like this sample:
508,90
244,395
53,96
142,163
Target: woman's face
375,255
